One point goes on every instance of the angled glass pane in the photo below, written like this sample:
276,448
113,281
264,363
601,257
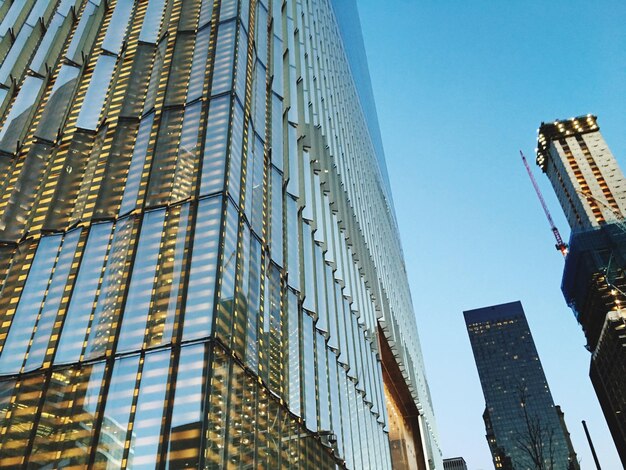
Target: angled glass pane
20,113
152,21
116,32
137,162
215,144
89,115
60,96
84,294
138,300
30,303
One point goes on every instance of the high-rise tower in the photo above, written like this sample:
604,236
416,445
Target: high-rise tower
592,191
199,265
523,427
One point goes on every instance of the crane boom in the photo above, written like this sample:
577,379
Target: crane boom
560,245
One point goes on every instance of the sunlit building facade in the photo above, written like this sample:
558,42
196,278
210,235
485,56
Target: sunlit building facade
592,191
199,261
524,429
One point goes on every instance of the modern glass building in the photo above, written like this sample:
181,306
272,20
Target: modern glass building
199,262
592,191
524,429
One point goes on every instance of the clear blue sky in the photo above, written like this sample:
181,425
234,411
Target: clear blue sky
460,88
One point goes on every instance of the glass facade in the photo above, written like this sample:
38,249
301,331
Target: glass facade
523,427
197,252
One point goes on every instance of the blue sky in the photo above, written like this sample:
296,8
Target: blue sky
461,87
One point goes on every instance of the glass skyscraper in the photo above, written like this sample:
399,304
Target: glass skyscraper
591,189
524,429
199,261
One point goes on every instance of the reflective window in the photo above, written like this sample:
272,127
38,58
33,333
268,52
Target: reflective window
155,75
106,315
235,157
60,96
199,64
17,49
84,32
139,296
116,415
186,426
116,31
260,99
89,115
205,13
254,304
228,264
138,160
274,336
215,146
293,353
218,411
179,68
149,414
56,291
187,160
26,313
228,9
20,113
84,294
277,131
202,273
242,55
223,64
255,187
308,349
276,204
167,298
152,21
320,287
322,383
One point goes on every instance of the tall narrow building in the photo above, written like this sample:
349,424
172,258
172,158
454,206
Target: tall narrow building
592,191
524,429
199,261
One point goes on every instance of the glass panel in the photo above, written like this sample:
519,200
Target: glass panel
236,413
17,430
20,113
255,174
155,75
164,159
167,298
276,204
218,411
25,317
308,267
139,296
137,84
277,131
119,400
17,49
60,96
254,304
331,286
58,417
189,15
187,161
292,349
308,348
114,176
138,160
202,273
322,383
84,294
335,406
240,74
275,331
179,68
235,157
183,450
96,93
224,55
56,291
205,12
106,315
152,21
149,414
215,146
116,32
260,98
228,9
320,288
228,264
261,32
85,31
79,429
199,64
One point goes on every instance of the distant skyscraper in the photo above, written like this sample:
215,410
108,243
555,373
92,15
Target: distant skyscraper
523,427
199,263
592,191
455,463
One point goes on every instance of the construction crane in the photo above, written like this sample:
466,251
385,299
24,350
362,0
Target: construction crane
560,245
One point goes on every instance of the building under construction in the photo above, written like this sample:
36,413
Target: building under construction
592,191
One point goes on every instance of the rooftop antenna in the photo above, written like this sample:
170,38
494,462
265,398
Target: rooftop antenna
560,245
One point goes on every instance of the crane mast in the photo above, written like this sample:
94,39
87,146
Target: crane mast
560,245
